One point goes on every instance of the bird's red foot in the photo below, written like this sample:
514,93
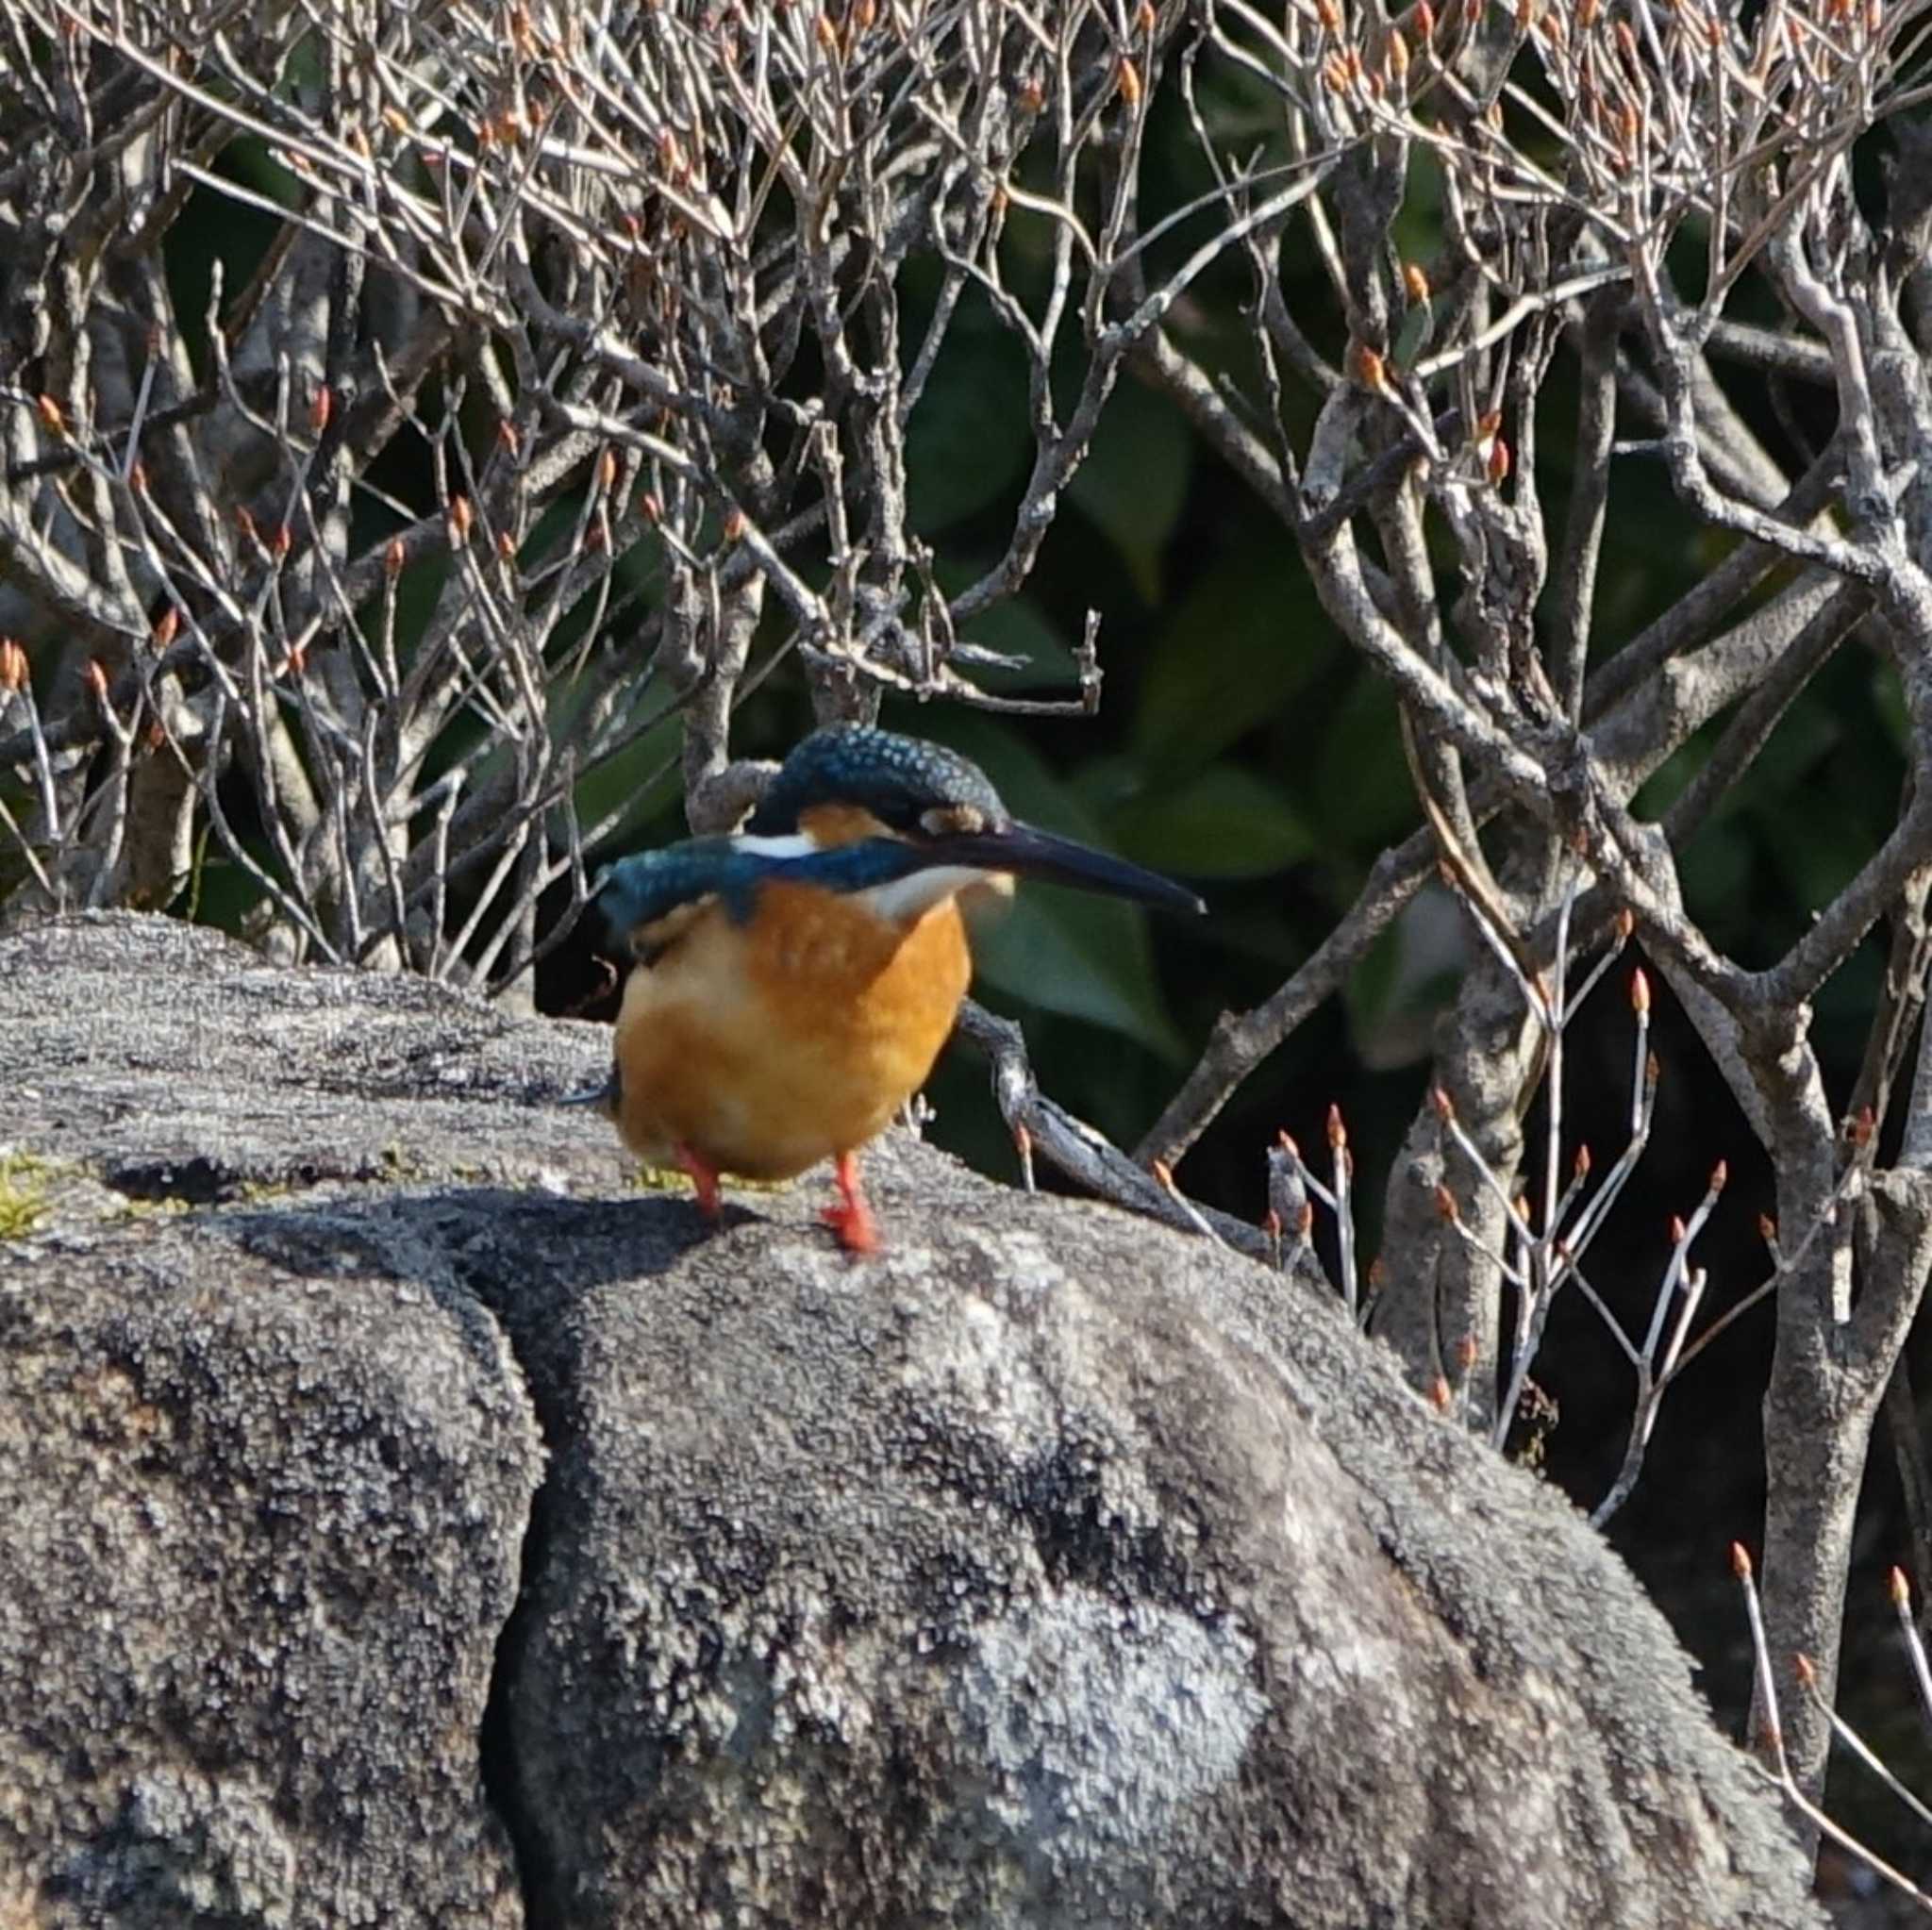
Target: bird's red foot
703,1179
851,1219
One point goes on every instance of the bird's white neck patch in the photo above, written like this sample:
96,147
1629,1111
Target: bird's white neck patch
792,844
907,900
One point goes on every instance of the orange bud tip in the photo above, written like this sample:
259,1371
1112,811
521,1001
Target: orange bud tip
462,520
1337,1133
1439,1394
319,405
1719,1173
1446,1207
1270,1223
1128,78
606,469
13,665
1499,462
1679,1232
1580,1165
50,414
1414,281
1767,1230
166,625
1163,1173
97,678
1804,1670
1305,1219
1901,1589
394,557
1626,924
1640,992
1741,1561
736,523
1465,1353
1445,1106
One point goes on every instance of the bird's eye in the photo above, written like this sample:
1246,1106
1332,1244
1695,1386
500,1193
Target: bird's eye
953,821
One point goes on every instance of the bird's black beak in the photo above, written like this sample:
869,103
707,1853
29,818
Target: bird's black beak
1029,854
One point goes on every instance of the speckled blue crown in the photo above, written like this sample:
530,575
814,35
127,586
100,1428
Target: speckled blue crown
896,779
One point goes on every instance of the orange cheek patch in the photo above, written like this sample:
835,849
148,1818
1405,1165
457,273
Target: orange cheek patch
827,824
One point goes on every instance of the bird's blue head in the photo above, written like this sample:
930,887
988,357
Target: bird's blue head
856,809
870,783
910,786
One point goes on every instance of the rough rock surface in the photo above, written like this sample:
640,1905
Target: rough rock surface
1051,1570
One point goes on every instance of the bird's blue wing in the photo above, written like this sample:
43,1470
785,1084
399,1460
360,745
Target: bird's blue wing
637,892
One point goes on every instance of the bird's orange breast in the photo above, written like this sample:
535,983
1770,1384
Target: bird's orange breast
768,1046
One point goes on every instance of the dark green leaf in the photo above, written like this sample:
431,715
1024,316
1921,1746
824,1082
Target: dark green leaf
1366,796
968,441
1239,646
1225,822
1417,326
1083,956
1134,479
1016,627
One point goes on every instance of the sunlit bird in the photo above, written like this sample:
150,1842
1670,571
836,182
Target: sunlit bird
795,982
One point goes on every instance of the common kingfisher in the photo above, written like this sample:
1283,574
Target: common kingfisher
795,982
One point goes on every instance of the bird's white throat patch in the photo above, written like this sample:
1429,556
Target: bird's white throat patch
905,900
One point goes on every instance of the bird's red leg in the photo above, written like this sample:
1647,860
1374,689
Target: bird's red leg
851,1219
703,1179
